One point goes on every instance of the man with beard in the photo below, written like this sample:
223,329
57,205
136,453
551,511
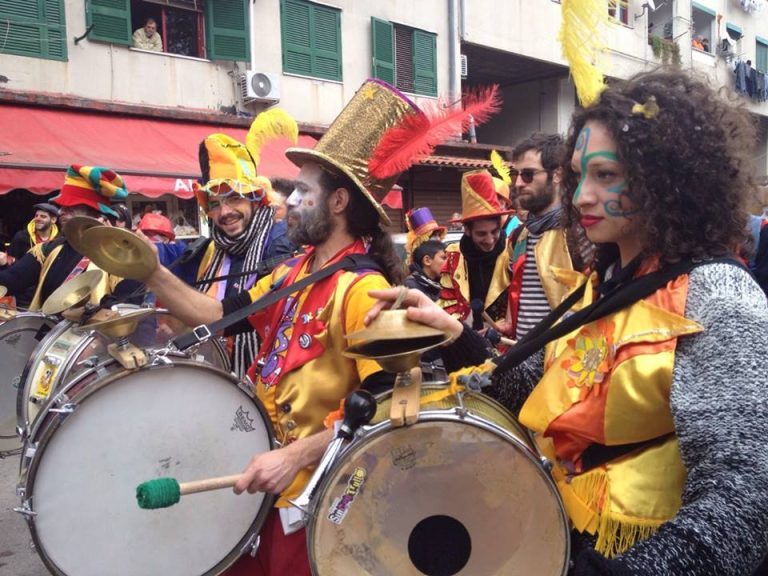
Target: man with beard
541,243
475,276
300,374
47,266
243,230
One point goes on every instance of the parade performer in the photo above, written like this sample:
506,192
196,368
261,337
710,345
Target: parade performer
650,407
300,374
421,226
41,228
476,268
87,190
236,201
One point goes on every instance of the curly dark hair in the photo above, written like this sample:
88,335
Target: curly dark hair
363,221
687,168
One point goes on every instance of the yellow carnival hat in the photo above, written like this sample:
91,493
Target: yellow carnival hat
479,198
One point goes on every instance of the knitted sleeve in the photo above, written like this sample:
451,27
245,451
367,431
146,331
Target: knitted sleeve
513,386
719,403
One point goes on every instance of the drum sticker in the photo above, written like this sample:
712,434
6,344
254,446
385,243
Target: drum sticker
43,386
403,457
341,506
243,421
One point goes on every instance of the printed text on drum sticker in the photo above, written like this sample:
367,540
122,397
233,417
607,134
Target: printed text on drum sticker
341,505
243,421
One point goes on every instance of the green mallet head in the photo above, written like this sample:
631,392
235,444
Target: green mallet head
158,493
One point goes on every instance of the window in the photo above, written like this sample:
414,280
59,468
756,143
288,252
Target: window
618,10
215,29
761,55
311,39
33,28
405,57
702,23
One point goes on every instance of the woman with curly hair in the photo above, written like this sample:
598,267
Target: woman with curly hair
648,396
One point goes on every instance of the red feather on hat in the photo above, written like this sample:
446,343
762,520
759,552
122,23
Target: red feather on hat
417,134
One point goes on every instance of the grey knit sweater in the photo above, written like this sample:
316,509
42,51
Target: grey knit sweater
719,402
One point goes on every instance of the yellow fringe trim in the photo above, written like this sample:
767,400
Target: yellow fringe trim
590,488
618,533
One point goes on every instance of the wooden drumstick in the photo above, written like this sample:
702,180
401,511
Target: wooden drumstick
164,492
488,320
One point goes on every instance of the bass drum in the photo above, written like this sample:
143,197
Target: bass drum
462,491
20,334
96,441
69,351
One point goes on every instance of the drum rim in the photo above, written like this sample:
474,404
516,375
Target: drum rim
27,474
442,415
5,333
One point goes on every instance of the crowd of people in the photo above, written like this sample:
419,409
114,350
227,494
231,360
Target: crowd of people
618,262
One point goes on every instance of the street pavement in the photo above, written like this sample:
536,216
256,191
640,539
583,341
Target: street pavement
17,555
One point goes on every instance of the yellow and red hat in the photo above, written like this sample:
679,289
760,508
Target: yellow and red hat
90,186
157,224
479,197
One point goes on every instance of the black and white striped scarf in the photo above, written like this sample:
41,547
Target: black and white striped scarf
251,242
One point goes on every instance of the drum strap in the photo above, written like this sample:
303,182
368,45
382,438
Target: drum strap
598,454
278,292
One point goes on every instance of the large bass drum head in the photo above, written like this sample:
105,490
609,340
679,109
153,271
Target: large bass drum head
184,421
439,498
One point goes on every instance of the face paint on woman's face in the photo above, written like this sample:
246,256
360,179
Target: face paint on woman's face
601,196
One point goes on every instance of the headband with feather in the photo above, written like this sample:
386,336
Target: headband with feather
501,167
416,136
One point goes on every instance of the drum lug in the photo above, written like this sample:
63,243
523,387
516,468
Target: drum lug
461,412
29,451
26,510
65,409
252,546
546,463
90,362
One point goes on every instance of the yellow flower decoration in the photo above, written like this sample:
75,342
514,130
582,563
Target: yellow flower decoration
590,358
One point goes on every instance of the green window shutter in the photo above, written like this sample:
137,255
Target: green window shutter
761,55
383,51
326,45
33,28
424,63
226,28
295,28
111,20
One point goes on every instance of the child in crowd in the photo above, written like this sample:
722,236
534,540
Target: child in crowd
428,260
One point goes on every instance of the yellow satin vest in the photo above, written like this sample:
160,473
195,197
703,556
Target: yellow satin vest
105,286
499,282
609,383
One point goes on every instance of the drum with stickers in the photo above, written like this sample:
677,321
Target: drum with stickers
70,350
110,429
20,334
461,491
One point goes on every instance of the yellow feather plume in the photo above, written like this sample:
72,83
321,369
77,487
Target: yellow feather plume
580,38
501,167
273,123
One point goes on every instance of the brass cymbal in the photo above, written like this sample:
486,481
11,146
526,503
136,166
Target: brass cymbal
74,229
395,342
119,252
120,326
72,294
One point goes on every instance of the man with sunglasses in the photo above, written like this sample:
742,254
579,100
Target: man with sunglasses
540,243
243,234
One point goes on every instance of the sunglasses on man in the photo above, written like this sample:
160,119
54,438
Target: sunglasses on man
526,174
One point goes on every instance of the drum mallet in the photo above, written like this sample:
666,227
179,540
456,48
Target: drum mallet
165,492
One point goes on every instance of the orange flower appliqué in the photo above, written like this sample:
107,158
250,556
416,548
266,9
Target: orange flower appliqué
589,357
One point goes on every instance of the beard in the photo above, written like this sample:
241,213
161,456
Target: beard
539,200
314,226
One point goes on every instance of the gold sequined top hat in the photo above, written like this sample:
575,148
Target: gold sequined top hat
354,135
479,197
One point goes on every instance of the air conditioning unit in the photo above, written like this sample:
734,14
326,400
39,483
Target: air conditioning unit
260,87
464,66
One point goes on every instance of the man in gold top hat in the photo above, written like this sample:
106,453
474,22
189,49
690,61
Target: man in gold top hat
300,374
476,270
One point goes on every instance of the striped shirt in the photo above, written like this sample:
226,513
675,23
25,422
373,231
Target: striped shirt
533,301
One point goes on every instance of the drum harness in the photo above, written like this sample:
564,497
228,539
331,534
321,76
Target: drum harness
615,294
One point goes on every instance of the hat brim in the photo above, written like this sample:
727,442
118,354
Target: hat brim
482,216
301,156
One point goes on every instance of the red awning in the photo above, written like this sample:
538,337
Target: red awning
153,156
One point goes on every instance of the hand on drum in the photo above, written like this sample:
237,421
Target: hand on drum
269,472
420,309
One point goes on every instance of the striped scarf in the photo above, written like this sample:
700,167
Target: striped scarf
251,243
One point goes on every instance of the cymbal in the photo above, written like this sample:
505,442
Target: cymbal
74,229
120,326
119,252
72,294
394,341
